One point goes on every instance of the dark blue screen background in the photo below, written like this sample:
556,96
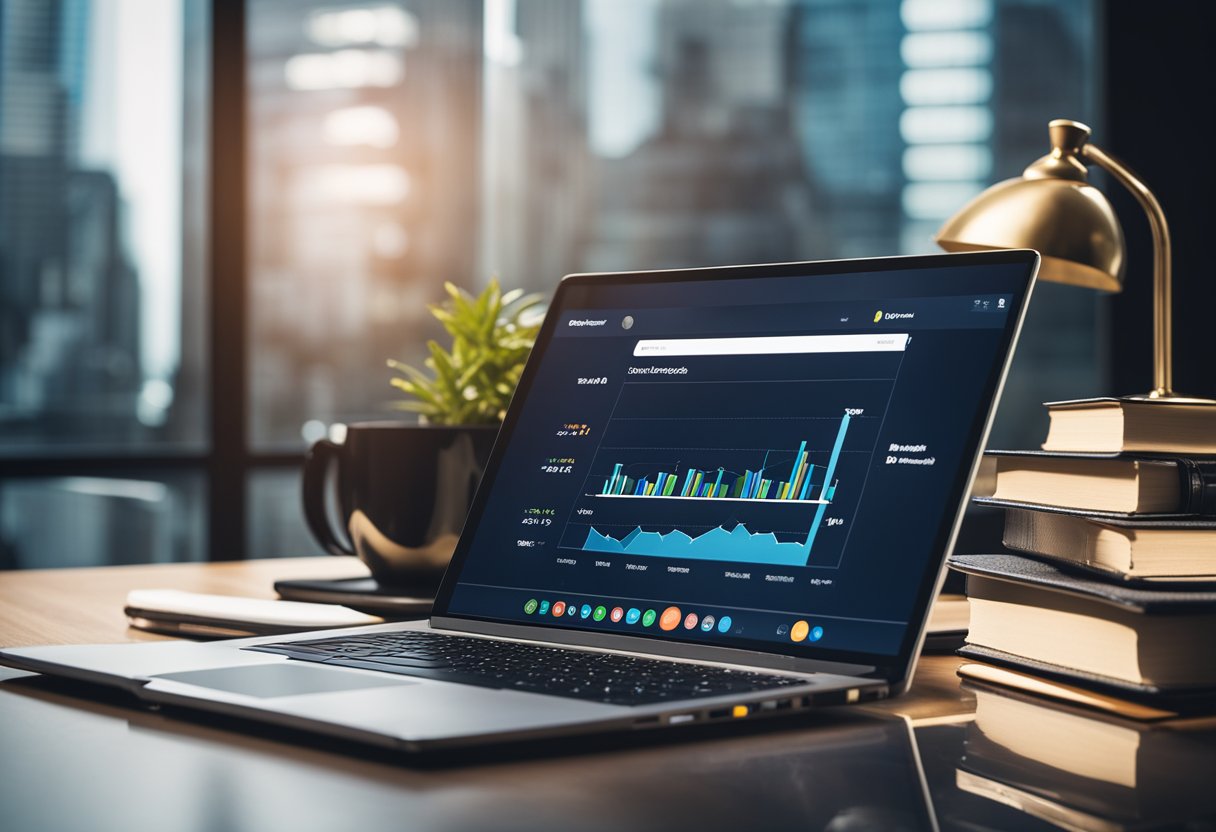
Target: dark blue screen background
593,405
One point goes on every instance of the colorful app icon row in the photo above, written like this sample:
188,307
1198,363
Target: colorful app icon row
674,617
671,618
802,631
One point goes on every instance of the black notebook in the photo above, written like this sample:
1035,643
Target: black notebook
1015,601
1139,599
362,594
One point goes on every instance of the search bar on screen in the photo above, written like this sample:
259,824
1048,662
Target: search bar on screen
772,345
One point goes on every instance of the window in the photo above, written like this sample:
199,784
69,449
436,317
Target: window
398,145
102,156
395,144
364,136
103,169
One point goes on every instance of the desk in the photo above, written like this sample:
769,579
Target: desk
84,606
76,757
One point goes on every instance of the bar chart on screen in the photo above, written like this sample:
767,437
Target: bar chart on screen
799,484
749,472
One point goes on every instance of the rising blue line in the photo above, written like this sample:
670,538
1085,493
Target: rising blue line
827,478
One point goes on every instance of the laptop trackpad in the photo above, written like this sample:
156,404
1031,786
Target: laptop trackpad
282,679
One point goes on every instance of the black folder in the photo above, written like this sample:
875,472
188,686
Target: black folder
1156,601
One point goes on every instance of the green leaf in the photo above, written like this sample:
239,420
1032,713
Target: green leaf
491,335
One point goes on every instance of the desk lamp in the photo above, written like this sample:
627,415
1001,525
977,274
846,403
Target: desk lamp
1052,208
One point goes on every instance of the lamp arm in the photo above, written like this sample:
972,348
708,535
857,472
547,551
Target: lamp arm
1163,291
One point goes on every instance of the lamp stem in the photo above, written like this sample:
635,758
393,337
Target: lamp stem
1163,291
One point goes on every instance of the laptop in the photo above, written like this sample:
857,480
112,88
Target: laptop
718,494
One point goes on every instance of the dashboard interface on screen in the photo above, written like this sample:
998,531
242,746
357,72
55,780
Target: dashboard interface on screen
763,463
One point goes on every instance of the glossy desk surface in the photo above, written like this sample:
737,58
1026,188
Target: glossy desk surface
76,757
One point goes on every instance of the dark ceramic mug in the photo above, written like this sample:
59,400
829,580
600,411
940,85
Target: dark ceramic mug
403,492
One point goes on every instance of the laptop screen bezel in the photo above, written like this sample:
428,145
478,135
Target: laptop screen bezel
894,669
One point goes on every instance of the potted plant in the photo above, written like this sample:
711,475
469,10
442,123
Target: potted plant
403,490
471,384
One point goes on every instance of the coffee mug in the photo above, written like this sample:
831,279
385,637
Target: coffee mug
403,492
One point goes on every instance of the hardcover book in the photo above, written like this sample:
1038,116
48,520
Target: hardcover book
1122,549
1144,644
1119,425
1102,484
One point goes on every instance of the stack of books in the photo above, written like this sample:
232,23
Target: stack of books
1113,589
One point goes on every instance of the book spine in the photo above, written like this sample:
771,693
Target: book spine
1198,486
1032,531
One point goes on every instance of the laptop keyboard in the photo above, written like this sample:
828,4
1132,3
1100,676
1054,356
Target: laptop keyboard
598,677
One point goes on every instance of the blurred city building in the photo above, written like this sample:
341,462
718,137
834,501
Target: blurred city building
364,140
69,299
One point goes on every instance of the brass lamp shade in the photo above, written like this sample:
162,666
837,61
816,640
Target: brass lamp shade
1053,209
1070,223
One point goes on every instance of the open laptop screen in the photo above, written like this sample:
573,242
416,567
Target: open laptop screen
766,458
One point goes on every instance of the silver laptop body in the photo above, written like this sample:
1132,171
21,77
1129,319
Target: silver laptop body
945,325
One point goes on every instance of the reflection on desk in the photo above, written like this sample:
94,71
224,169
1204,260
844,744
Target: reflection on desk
74,757
1084,769
126,768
